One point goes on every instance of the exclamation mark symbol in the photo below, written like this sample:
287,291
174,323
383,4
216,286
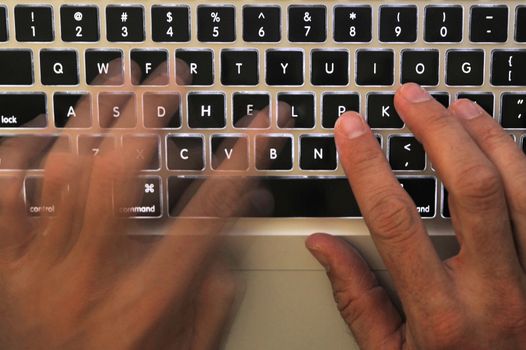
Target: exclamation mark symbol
32,16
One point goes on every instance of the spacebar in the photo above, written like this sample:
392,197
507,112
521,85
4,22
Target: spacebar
312,197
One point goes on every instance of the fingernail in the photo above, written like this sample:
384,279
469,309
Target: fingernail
415,93
467,109
352,125
318,255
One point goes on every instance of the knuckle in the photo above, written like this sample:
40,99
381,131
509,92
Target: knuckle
479,184
445,329
391,216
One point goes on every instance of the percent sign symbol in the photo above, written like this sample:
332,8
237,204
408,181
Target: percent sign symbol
215,17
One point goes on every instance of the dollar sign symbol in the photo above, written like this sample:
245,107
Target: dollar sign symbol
169,17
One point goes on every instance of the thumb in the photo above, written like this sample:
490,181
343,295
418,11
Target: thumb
362,302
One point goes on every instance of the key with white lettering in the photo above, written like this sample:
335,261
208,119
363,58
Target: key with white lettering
185,153
398,24
79,23
420,66
318,153
353,23
89,145
406,153
273,152
374,67
142,150
216,23
59,67
307,23
200,63
261,23
285,67
444,24
33,198
149,61
162,110
206,110
239,67
465,67
229,153
381,112
246,106
301,111
142,200
98,65
125,23
34,23
23,110
170,23
118,107
508,68
336,104
422,191
486,100
489,23
65,110
330,67
513,114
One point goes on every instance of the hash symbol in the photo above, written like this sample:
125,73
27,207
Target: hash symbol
124,17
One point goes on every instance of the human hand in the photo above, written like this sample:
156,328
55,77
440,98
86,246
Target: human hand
475,300
79,280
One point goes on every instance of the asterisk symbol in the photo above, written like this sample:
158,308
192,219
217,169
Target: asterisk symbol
352,16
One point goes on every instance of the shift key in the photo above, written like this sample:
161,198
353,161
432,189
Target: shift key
23,110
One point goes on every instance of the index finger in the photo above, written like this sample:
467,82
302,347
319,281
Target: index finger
391,215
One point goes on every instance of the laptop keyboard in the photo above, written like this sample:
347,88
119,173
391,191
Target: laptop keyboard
319,59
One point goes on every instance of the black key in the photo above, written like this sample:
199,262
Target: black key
33,186
307,23
307,197
420,66
406,153
98,64
442,98
520,24
22,109
216,23
353,24
524,144
185,153
16,67
200,63
229,153
246,106
423,192
138,148
146,205
162,110
149,61
3,24
59,67
486,100
318,153
79,23
206,110
125,23
273,153
261,24
513,114
239,67
330,68
118,108
398,24
508,68
90,145
374,67
66,112
445,203
34,23
301,111
381,112
444,24
284,67
170,23
465,67
335,104
489,24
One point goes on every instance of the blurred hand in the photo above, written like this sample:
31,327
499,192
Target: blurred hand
79,280
475,300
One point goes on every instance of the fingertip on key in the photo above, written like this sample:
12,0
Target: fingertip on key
414,93
351,124
466,109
